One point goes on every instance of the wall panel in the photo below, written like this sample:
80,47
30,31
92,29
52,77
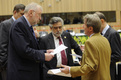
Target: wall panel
0,6
73,5
118,5
53,6
80,5
97,5
10,8
77,27
120,17
4,7
113,4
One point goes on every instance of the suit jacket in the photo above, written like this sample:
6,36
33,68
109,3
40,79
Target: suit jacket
114,40
4,39
23,54
47,42
95,60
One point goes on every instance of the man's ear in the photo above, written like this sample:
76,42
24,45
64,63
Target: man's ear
30,12
102,20
90,28
14,12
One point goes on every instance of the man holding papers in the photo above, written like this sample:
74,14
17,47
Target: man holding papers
25,60
53,40
96,57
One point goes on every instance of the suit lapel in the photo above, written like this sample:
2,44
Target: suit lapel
52,45
25,22
11,20
64,37
65,41
51,41
107,32
28,28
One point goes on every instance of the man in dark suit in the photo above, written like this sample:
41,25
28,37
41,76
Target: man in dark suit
114,40
51,41
24,57
4,37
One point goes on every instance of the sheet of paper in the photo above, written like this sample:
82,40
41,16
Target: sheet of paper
59,49
55,71
76,55
58,72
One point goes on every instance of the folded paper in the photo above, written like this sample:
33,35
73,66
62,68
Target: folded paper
59,49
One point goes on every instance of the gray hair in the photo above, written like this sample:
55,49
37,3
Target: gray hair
94,21
54,20
32,6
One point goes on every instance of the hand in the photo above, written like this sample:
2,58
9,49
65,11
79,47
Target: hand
50,50
48,56
82,47
65,69
36,33
80,63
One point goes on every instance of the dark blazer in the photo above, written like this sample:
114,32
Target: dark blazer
23,54
47,42
114,40
4,39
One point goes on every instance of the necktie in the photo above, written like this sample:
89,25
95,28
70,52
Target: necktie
33,32
63,55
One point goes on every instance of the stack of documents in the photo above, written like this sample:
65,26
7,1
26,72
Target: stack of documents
58,72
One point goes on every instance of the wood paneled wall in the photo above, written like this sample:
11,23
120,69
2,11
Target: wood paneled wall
118,2
53,6
77,27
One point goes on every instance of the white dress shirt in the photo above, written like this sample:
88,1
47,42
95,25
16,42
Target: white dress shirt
58,55
105,29
13,18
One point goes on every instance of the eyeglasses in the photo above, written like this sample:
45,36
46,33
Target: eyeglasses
60,27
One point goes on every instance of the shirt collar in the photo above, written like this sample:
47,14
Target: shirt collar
91,34
13,18
105,29
27,21
55,36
